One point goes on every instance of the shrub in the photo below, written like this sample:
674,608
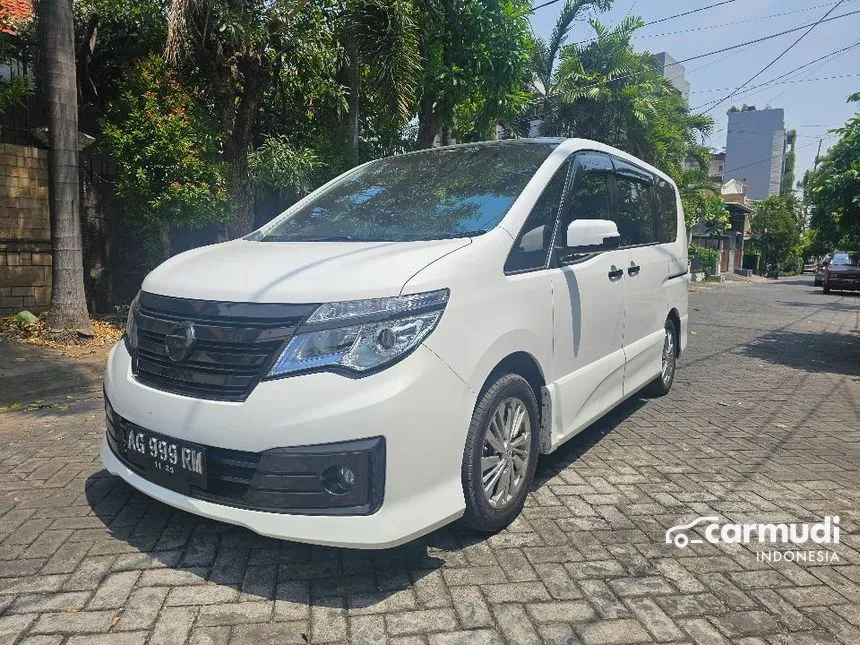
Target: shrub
708,257
168,172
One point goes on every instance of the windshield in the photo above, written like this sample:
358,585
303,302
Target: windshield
436,194
846,259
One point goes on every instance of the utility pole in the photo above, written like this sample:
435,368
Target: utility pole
817,154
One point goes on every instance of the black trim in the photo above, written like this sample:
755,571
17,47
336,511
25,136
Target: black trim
280,480
219,309
235,347
678,275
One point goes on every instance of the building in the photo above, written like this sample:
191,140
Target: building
731,242
718,167
674,73
756,145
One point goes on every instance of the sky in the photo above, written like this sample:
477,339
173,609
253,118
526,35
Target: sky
812,107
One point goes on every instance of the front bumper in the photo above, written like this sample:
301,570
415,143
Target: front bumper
849,284
419,407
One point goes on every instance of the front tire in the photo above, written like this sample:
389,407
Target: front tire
501,454
661,385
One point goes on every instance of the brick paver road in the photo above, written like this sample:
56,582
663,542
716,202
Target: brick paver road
762,425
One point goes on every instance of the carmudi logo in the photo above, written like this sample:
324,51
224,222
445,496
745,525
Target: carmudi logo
787,540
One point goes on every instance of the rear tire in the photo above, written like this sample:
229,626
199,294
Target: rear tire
661,385
501,454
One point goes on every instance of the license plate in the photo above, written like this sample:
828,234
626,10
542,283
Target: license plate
166,461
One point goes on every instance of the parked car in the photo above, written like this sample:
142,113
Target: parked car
842,272
820,268
394,351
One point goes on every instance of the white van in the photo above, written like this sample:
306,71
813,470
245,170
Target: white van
394,351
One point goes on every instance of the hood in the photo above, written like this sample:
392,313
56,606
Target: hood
296,272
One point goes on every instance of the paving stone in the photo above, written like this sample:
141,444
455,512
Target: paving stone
141,608
576,611
173,625
84,558
612,632
328,621
472,637
84,622
471,607
367,630
235,613
515,624
420,621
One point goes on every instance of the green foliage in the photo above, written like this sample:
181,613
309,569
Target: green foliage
775,230
833,189
277,167
708,257
476,57
14,47
788,174
701,201
609,92
126,32
166,157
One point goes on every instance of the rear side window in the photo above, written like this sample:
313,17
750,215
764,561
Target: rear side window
532,246
633,212
667,211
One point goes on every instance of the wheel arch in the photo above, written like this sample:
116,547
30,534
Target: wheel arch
675,318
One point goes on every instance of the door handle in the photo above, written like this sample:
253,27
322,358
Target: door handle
633,270
615,274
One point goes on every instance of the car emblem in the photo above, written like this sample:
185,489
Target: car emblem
180,341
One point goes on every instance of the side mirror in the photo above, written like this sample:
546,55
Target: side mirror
592,236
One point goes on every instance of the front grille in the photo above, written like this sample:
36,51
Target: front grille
236,343
281,480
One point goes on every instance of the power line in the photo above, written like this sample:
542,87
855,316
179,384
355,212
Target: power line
788,73
803,80
653,22
729,48
793,75
772,157
773,62
736,22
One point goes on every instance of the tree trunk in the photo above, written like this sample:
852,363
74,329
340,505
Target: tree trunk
68,303
428,127
239,187
165,236
353,79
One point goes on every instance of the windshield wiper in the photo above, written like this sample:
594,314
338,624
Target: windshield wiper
451,236
321,238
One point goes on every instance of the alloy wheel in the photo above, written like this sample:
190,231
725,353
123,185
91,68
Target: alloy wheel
506,453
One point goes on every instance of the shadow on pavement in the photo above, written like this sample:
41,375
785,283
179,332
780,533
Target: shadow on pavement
821,352
198,550
28,372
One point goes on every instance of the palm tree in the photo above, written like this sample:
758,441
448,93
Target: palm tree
545,52
237,47
68,303
380,43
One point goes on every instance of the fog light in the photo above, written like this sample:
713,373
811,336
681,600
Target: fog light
338,480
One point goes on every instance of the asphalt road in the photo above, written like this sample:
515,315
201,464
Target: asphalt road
763,425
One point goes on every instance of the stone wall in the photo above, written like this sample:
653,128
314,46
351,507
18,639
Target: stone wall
25,230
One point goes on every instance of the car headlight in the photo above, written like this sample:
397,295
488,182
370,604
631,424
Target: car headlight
130,336
361,335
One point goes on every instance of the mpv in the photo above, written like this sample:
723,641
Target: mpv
395,350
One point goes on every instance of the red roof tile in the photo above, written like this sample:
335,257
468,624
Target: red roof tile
13,12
